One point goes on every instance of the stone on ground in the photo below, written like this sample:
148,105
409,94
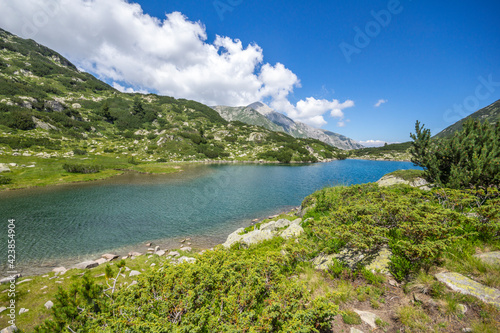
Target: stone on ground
293,230
86,264
492,258
367,317
49,304
464,285
109,256
134,273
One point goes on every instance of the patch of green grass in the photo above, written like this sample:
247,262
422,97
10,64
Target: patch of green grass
157,168
50,171
344,292
350,317
408,175
413,318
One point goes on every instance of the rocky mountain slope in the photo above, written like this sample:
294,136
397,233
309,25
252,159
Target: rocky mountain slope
260,114
491,113
49,109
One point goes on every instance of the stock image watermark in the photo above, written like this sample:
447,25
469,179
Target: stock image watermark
47,12
11,271
224,6
373,28
472,103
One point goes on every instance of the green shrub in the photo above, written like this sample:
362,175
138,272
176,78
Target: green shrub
81,168
470,158
78,151
225,291
5,180
133,161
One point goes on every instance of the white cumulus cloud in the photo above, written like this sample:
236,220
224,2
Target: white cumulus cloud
380,102
120,43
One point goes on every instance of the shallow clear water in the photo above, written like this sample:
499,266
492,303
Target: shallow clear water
67,224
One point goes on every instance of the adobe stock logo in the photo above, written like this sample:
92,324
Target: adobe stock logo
471,103
222,6
372,29
41,18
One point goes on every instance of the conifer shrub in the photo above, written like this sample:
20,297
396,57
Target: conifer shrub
81,168
471,158
224,291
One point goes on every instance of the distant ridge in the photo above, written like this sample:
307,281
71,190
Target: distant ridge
491,114
260,114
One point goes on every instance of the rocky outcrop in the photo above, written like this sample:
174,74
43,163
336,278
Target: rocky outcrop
4,167
464,285
373,260
43,125
283,227
389,180
492,258
54,106
86,264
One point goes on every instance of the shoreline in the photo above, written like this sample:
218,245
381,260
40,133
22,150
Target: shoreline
196,243
187,163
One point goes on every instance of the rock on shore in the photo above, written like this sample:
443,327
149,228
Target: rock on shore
283,227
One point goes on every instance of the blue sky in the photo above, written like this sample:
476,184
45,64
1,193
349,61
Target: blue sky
326,63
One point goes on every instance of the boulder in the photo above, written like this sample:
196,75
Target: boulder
86,264
187,249
355,330
9,329
54,106
464,285
381,261
322,261
256,236
59,270
101,261
4,167
157,248
23,310
9,278
389,180
49,304
293,230
160,253
492,258
186,259
135,254
43,125
174,254
234,237
134,273
109,256
368,317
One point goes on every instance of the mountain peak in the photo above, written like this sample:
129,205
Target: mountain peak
261,108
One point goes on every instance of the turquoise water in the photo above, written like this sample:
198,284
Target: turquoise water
66,224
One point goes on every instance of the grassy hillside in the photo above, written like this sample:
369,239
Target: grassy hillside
491,114
283,284
50,110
